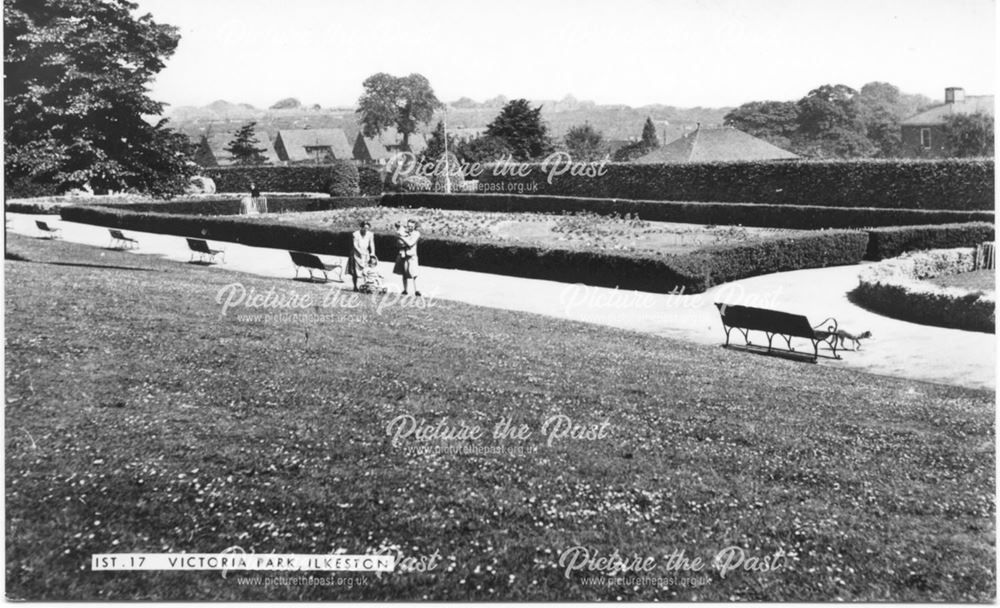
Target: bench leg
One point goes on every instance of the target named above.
(727, 330)
(770, 337)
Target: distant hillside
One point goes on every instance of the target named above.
(616, 122)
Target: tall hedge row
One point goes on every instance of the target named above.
(340, 178)
(765, 216)
(965, 184)
(693, 272)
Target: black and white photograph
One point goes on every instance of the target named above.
(500, 301)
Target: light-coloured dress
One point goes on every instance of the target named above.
(362, 248)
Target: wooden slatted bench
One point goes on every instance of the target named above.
(311, 262)
(48, 232)
(123, 242)
(200, 248)
(776, 323)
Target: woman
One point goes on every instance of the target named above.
(363, 249)
(406, 261)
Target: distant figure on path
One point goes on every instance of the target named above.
(362, 249)
(406, 261)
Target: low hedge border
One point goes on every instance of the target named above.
(895, 288)
(961, 184)
(233, 206)
(747, 214)
(891, 242)
(692, 273)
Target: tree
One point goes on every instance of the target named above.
(435, 144)
(400, 102)
(969, 135)
(243, 146)
(288, 103)
(831, 124)
(483, 149)
(649, 138)
(584, 143)
(522, 130)
(75, 93)
(773, 121)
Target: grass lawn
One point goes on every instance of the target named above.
(569, 231)
(140, 420)
(977, 280)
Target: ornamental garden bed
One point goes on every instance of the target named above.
(932, 288)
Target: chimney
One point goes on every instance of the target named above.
(954, 95)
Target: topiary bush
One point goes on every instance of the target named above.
(343, 179)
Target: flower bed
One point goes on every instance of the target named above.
(896, 288)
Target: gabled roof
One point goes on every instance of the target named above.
(386, 144)
(937, 115)
(706, 145)
(213, 146)
(295, 143)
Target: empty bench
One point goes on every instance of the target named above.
(205, 253)
(48, 232)
(311, 262)
(120, 241)
(775, 323)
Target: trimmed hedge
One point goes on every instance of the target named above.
(891, 242)
(233, 206)
(963, 184)
(338, 179)
(693, 273)
(895, 288)
(765, 216)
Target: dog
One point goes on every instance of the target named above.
(856, 339)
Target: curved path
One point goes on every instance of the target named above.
(898, 348)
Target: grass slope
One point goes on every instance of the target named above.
(138, 420)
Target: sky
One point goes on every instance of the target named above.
(685, 53)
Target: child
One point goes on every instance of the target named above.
(373, 280)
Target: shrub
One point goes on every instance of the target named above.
(23, 187)
(343, 180)
(817, 250)
(766, 216)
(895, 288)
(416, 183)
(294, 178)
(370, 180)
(890, 242)
(962, 184)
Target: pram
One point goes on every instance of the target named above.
(372, 278)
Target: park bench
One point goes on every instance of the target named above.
(311, 262)
(122, 241)
(201, 248)
(775, 323)
(46, 230)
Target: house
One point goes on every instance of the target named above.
(381, 148)
(715, 144)
(923, 135)
(312, 145)
(211, 150)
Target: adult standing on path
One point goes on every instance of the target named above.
(406, 261)
(362, 249)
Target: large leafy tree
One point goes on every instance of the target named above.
(400, 102)
(772, 121)
(584, 143)
(831, 124)
(75, 97)
(244, 148)
(521, 128)
(969, 135)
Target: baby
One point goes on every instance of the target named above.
(372, 278)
